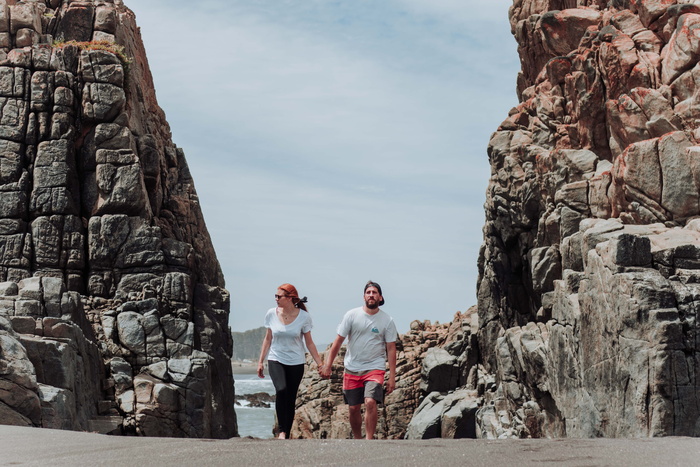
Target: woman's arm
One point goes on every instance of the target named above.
(312, 349)
(263, 352)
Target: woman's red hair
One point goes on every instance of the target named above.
(292, 292)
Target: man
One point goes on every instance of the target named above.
(371, 337)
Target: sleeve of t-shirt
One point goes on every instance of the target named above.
(308, 324)
(390, 333)
(268, 317)
(345, 325)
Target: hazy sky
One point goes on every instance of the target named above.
(336, 141)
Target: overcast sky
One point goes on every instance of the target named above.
(336, 141)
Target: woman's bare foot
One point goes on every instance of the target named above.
(282, 436)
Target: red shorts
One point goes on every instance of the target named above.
(357, 387)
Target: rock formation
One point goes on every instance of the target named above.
(113, 312)
(258, 400)
(589, 270)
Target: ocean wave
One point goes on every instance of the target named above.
(252, 386)
(245, 404)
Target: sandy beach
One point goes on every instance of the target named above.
(244, 367)
(38, 446)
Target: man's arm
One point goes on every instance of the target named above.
(332, 353)
(391, 357)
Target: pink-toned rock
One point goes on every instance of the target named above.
(638, 167)
(627, 123)
(683, 50)
(618, 58)
(627, 22)
(650, 10)
(563, 30)
(647, 41)
(661, 118)
(666, 24)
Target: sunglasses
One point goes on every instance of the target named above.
(277, 297)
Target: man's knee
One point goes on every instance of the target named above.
(355, 409)
(370, 403)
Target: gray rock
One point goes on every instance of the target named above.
(122, 374)
(440, 371)
(131, 332)
(8, 289)
(19, 394)
(126, 401)
(425, 423)
(626, 250)
(545, 268)
(58, 407)
(680, 193)
(459, 416)
(99, 66)
(158, 370)
(102, 101)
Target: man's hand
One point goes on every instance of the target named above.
(329, 358)
(390, 385)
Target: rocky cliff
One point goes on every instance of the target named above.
(113, 312)
(589, 270)
(589, 274)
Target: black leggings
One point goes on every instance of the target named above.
(286, 379)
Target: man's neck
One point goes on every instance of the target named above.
(370, 311)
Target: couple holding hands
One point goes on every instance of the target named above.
(371, 335)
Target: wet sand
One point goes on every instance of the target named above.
(36, 446)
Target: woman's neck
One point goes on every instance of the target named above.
(289, 309)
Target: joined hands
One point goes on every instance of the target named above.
(324, 371)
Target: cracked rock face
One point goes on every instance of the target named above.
(590, 269)
(113, 312)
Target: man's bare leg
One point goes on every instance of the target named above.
(370, 417)
(356, 420)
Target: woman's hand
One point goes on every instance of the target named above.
(261, 370)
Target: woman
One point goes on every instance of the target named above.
(286, 325)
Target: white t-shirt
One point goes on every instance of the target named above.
(287, 345)
(367, 337)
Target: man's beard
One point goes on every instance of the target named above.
(371, 306)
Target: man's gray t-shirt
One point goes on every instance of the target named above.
(367, 337)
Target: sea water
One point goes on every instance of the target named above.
(254, 421)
